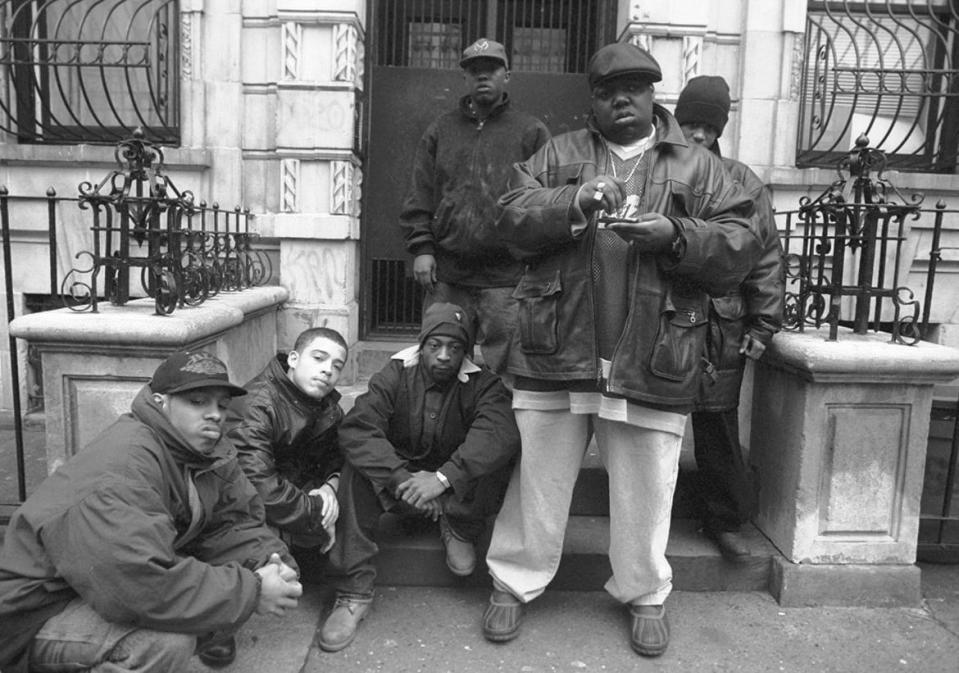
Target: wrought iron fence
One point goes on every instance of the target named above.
(888, 70)
(185, 251)
(89, 72)
(844, 253)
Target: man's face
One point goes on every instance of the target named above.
(197, 414)
(316, 369)
(486, 80)
(623, 108)
(700, 134)
(442, 356)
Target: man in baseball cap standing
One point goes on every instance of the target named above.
(146, 542)
(459, 171)
(624, 229)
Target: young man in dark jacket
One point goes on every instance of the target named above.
(741, 325)
(460, 169)
(432, 437)
(285, 430)
(624, 230)
(145, 540)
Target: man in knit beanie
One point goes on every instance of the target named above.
(433, 437)
(742, 324)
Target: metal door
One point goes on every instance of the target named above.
(414, 75)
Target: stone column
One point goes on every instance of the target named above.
(95, 363)
(839, 431)
(301, 163)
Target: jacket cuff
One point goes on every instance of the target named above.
(423, 249)
(397, 478)
(454, 474)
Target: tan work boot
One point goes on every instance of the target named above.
(649, 629)
(460, 553)
(339, 629)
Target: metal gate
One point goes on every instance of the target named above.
(415, 47)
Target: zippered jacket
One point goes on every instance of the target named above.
(287, 446)
(460, 169)
(660, 335)
(115, 526)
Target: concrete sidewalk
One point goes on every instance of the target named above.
(437, 629)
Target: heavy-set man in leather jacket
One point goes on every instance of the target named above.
(625, 231)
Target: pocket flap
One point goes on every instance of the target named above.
(730, 307)
(532, 287)
(687, 317)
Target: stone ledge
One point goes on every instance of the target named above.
(136, 322)
(874, 586)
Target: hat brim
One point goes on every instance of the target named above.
(234, 390)
(649, 75)
(499, 60)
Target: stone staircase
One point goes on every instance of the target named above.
(416, 558)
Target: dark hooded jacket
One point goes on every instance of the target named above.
(287, 446)
(755, 307)
(460, 169)
(660, 337)
(113, 526)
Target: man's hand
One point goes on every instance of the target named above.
(287, 573)
(420, 489)
(331, 508)
(653, 233)
(276, 593)
(603, 192)
(751, 348)
(424, 270)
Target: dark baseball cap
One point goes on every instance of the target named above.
(484, 48)
(187, 370)
(622, 58)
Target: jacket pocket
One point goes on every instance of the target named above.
(680, 341)
(538, 300)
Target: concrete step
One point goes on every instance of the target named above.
(417, 558)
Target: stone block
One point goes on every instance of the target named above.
(320, 273)
(259, 120)
(803, 585)
(838, 436)
(222, 44)
(294, 318)
(261, 191)
(224, 100)
(311, 119)
(759, 135)
(261, 54)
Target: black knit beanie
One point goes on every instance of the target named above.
(705, 100)
(447, 320)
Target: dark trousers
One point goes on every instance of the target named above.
(724, 486)
(352, 557)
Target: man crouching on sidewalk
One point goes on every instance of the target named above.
(145, 541)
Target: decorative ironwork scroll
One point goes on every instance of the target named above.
(185, 251)
(849, 262)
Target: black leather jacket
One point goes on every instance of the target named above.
(287, 446)
(662, 335)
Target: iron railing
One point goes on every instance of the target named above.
(888, 70)
(185, 251)
(89, 72)
(844, 253)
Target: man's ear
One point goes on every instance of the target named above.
(291, 359)
(160, 399)
(506, 77)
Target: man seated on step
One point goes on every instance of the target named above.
(433, 437)
(146, 540)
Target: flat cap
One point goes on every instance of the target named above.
(622, 58)
(484, 48)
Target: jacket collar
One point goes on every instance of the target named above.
(467, 109)
(410, 357)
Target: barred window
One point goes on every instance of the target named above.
(888, 71)
(89, 71)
